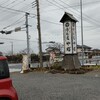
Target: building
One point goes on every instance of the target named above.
(96, 52)
(53, 49)
(86, 50)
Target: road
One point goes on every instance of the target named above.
(47, 86)
(17, 67)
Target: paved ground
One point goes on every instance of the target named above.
(46, 86)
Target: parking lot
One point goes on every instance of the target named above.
(47, 86)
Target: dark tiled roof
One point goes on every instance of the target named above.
(84, 46)
(96, 50)
(52, 48)
(68, 16)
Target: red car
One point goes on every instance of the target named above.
(7, 91)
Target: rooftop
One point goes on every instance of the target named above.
(68, 16)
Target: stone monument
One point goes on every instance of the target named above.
(70, 60)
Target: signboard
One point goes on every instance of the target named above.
(74, 37)
(70, 37)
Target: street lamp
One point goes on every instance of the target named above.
(81, 9)
(11, 48)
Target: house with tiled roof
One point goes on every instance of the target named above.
(87, 50)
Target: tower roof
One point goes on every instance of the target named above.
(68, 16)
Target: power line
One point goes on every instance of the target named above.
(20, 11)
(33, 4)
(60, 6)
(54, 4)
(13, 23)
(56, 23)
(50, 22)
(47, 21)
(8, 5)
(76, 10)
(88, 17)
(4, 2)
(11, 3)
(87, 3)
(14, 10)
(17, 22)
(94, 28)
(15, 39)
(18, 4)
(10, 16)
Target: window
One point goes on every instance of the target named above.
(4, 70)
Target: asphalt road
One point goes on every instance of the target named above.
(18, 66)
(47, 86)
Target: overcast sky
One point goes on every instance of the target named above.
(51, 12)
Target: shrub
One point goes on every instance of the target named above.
(57, 66)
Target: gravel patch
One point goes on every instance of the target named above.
(47, 86)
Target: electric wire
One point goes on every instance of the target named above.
(11, 3)
(10, 9)
(85, 16)
(15, 39)
(87, 3)
(57, 23)
(87, 20)
(14, 15)
(14, 5)
(51, 22)
(54, 4)
(16, 10)
(4, 2)
(14, 23)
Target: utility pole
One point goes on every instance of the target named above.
(81, 9)
(27, 33)
(12, 48)
(39, 33)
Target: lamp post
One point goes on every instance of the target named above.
(81, 9)
(12, 51)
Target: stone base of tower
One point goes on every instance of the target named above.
(71, 62)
